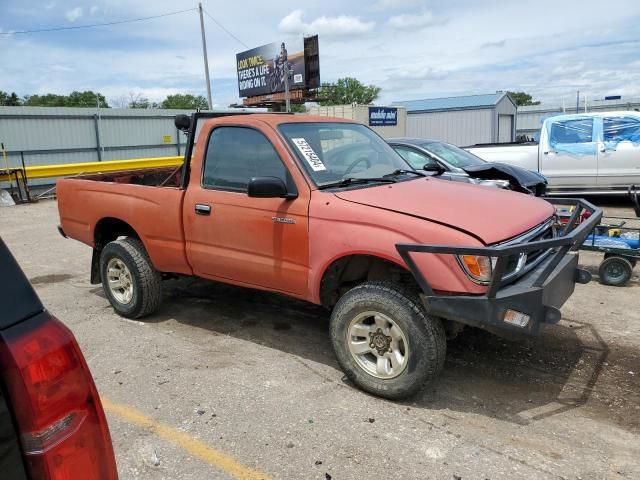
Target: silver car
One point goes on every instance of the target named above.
(453, 163)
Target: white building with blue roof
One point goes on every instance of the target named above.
(466, 120)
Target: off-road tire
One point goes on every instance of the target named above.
(146, 280)
(615, 271)
(424, 333)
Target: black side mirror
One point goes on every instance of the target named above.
(182, 122)
(436, 168)
(268, 187)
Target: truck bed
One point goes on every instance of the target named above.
(502, 144)
(523, 155)
(152, 177)
(148, 202)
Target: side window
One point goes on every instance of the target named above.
(579, 130)
(416, 159)
(235, 155)
(620, 129)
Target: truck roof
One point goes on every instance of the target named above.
(278, 119)
(569, 116)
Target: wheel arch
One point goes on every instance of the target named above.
(106, 230)
(348, 270)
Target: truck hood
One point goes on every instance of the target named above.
(489, 214)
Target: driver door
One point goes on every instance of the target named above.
(569, 157)
(259, 242)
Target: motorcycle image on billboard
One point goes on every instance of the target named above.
(262, 70)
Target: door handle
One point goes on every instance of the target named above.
(202, 209)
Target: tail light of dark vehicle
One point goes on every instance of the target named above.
(63, 430)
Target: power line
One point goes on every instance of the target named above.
(76, 27)
(227, 31)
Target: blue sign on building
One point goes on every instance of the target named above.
(383, 116)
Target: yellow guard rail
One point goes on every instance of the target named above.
(68, 169)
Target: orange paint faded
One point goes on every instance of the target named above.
(240, 243)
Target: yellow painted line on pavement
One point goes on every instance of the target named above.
(195, 447)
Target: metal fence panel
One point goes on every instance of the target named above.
(58, 135)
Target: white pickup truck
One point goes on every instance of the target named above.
(590, 153)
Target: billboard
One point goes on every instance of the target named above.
(262, 70)
(383, 116)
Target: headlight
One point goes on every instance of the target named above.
(478, 268)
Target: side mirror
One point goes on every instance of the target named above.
(182, 122)
(268, 187)
(436, 168)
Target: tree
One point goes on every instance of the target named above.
(347, 91)
(298, 108)
(137, 100)
(522, 99)
(185, 101)
(9, 99)
(74, 99)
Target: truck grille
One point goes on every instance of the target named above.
(518, 265)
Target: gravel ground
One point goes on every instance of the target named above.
(252, 375)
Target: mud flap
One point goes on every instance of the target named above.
(95, 267)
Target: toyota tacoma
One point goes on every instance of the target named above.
(266, 201)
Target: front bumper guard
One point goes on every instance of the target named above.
(539, 293)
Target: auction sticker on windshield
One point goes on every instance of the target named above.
(309, 155)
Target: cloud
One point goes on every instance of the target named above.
(132, 57)
(421, 73)
(94, 9)
(412, 21)
(74, 14)
(56, 67)
(340, 26)
(571, 70)
(498, 44)
(394, 4)
(50, 5)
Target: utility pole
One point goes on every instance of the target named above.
(578, 101)
(98, 123)
(204, 54)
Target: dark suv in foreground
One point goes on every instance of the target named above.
(52, 425)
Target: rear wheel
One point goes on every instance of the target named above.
(130, 282)
(385, 342)
(615, 271)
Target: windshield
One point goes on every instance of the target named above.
(455, 156)
(333, 152)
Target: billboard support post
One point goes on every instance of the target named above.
(287, 96)
(204, 54)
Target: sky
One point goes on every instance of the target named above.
(412, 49)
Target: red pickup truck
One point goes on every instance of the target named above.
(271, 201)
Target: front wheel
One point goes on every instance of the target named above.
(130, 281)
(384, 341)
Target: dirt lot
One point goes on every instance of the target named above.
(226, 382)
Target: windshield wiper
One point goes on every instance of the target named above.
(400, 170)
(345, 182)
